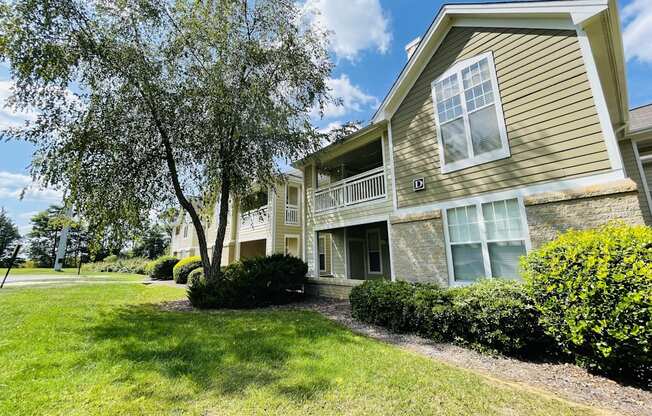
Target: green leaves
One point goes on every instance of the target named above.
(594, 291)
(145, 104)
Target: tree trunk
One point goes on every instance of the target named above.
(214, 270)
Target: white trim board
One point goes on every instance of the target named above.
(562, 185)
(641, 172)
(600, 102)
(351, 223)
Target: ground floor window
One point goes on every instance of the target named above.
(322, 253)
(292, 246)
(486, 239)
(374, 257)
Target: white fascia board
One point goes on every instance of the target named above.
(551, 13)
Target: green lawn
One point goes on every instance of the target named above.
(107, 349)
(69, 272)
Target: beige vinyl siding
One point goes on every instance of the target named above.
(632, 170)
(552, 124)
(279, 219)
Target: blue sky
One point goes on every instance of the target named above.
(368, 40)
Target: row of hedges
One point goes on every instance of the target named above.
(492, 315)
(250, 283)
(135, 265)
(587, 294)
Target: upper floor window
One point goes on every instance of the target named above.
(469, 116)
(185, 231)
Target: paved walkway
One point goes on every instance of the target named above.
(66, 279)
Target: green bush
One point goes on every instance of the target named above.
(136, 265)
(195, 276)
(251, 283)
(182, 269)
(111, 259)
(490, 315)
(162, 267)
(594, 291)
(496, 315)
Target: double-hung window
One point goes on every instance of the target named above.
(374, 256)
(468, 114)
(486, 240)
(321, 249)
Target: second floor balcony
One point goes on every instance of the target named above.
(350, 179)
(367, 186)
(254, 219)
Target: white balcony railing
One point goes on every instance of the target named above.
(255, 218)
(291, 214)
(357, 189)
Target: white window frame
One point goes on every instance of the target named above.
(380, 251)
(292, 236)
(323, 245)
(478, 201)
(185, 231)
(501, 153)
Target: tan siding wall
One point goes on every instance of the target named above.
(279, 219)
(631, 167)
(552, 124)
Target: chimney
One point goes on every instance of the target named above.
(412, 46)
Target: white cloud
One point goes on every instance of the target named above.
(8, 116)
(355, 25)
(353, 99)
(330, 127)
(637, 33)
(13, 185)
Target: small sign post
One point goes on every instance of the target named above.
(11, 263)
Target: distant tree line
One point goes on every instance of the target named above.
(42, 241)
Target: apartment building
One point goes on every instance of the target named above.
(266, 221)
(508, 124)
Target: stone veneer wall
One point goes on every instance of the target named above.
(331, 287)
(551, 213)
(418, 248)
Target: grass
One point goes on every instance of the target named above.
(107, 349)
(68, 272)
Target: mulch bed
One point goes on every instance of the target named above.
(562, 379)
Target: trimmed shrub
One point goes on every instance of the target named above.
(195, 276)
(492, 315)
(594, 291)
(251, 283)
(162, 267)
(496, 315)
(182, 269)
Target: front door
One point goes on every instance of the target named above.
(357, 255)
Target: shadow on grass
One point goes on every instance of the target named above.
(225, 352)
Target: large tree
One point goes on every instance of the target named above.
(172, 99)
(8, 235)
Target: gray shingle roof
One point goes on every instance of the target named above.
(640, 118)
